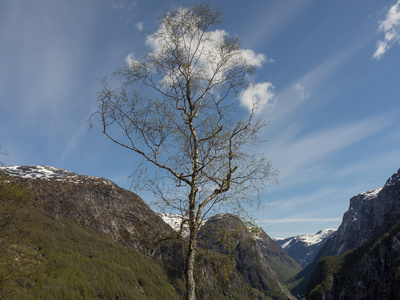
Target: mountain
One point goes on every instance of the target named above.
(93, 202)
(369, 214)
(371, 271)
(262, 262)
(360, 260)
(276, 258)
(304, 248)
(92, 239)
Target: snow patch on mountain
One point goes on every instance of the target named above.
(175, 221)
(307, 239)
(393, 180)
(316, 238)
(37, 172)
(49, 173)
(303, 248)
(371, 194)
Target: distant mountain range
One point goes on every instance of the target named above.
(304, 248)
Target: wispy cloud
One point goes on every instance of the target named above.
(380, 161)
(390, 26)
(301, 200)
(297, 220)
(299, 158)
(275, 19)
(45, 59)
(302, 91)
(140, 26)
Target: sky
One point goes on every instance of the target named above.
(329, 82)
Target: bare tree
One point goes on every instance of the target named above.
(177, 107)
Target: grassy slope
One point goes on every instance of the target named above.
(71, 262)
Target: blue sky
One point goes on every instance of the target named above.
(334, 116)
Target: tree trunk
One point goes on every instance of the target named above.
(189, 270)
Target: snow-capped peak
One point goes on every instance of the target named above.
(307, 239)
(49, 173)
(37, 172)
(315, 238)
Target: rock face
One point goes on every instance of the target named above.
(304, 248)
(362, 258)
(369, 214)
(94, 202)
(371, 271)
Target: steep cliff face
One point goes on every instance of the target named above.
(371, 271)
(361, 260)
(369, 214)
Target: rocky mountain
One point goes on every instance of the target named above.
(254, 270)
(361, 260)
(369, 214)
(263, 263)
(304, 248)
(94, 202)
(371, 271)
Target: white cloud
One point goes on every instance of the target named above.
(140, 26)
(130, 59)
(391, 27)
(257, 96)
(255, 59)
(208, 56)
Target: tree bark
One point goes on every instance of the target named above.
(189, 272)
(193, 228)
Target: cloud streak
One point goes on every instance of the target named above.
(299, 158)
(390, 26)
(298, 220)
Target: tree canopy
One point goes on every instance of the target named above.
(178, 108)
